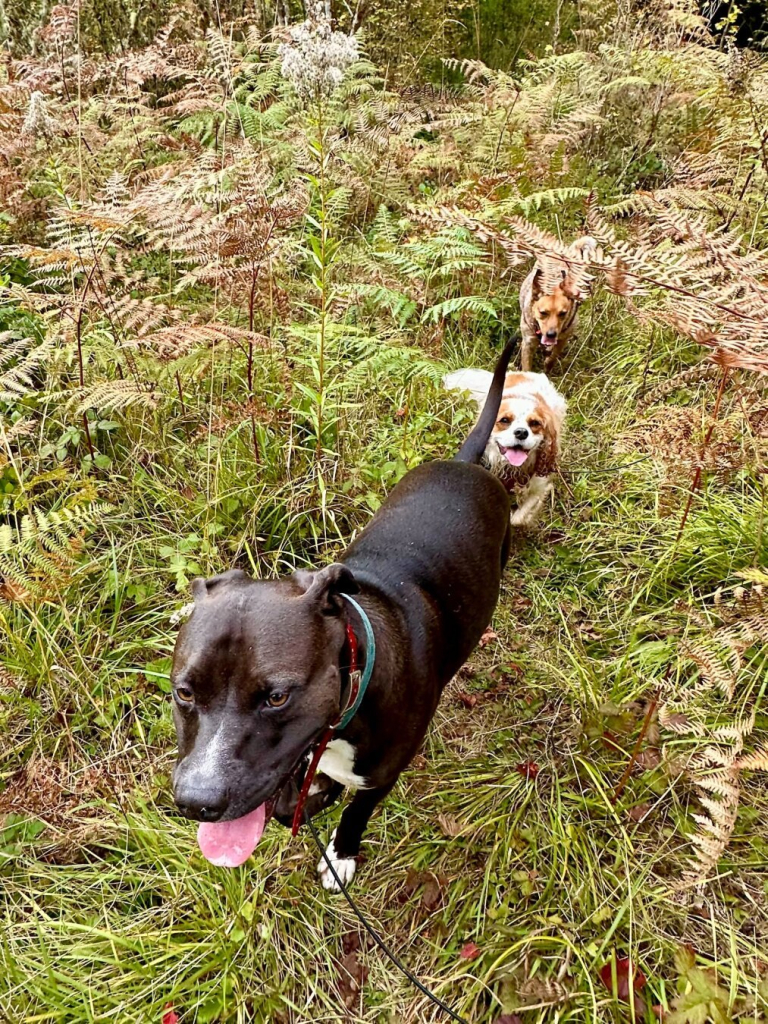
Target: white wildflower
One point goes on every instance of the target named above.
(316, 57)
(38, 121)
(181, 614)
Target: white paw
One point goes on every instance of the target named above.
(344, 867)
(524, 517)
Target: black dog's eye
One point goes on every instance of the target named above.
(184, 695)
(505, 420)
(277, 700)
(534, 424)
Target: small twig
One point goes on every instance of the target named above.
(653, 704)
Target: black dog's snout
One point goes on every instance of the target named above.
(521, 433)
(202, 804)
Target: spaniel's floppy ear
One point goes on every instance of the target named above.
(547, 457)
(543, 388)
(476, 382)
(552, 408)
(549, 451)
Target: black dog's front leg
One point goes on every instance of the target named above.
(345, 841)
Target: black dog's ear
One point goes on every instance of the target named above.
(201, 588)
(325, 586)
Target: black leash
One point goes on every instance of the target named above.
(375, 935)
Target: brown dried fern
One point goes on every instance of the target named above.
(714, 770)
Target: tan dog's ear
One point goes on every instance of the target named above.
(536, 285)
(569, 290)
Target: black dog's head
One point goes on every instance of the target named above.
(256, 680)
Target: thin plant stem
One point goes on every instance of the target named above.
(653, 704)
(696, 482)
(323, 282)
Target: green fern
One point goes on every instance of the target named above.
(460, 304)
(39, 554)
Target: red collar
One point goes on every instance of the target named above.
(354, 677)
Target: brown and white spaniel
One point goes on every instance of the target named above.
(524, 446)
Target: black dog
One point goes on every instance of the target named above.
(260, 669)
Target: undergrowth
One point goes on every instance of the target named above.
(226, 309)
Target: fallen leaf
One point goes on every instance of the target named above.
(488, 637)
(450, 825)
(467, 699)
(542, 990)
(528, 769)
(639, 812)
(469, 951)
(432, 895)
(352, 974)
(648, 758)
(402, 411)
(169, 1014)
(413, 880)
(509, 1018)
(624, 969)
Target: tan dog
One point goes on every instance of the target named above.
(549, 316)
(524, 445)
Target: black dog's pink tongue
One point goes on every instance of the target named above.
(228, 844)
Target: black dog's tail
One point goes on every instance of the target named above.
(473, 448)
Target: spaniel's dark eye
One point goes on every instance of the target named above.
(184, 695)
(505, 421)
(277, 700)
(534, 424)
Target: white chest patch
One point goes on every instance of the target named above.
(338, 763)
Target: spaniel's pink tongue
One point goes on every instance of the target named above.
(515, 456)
(228, 844)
